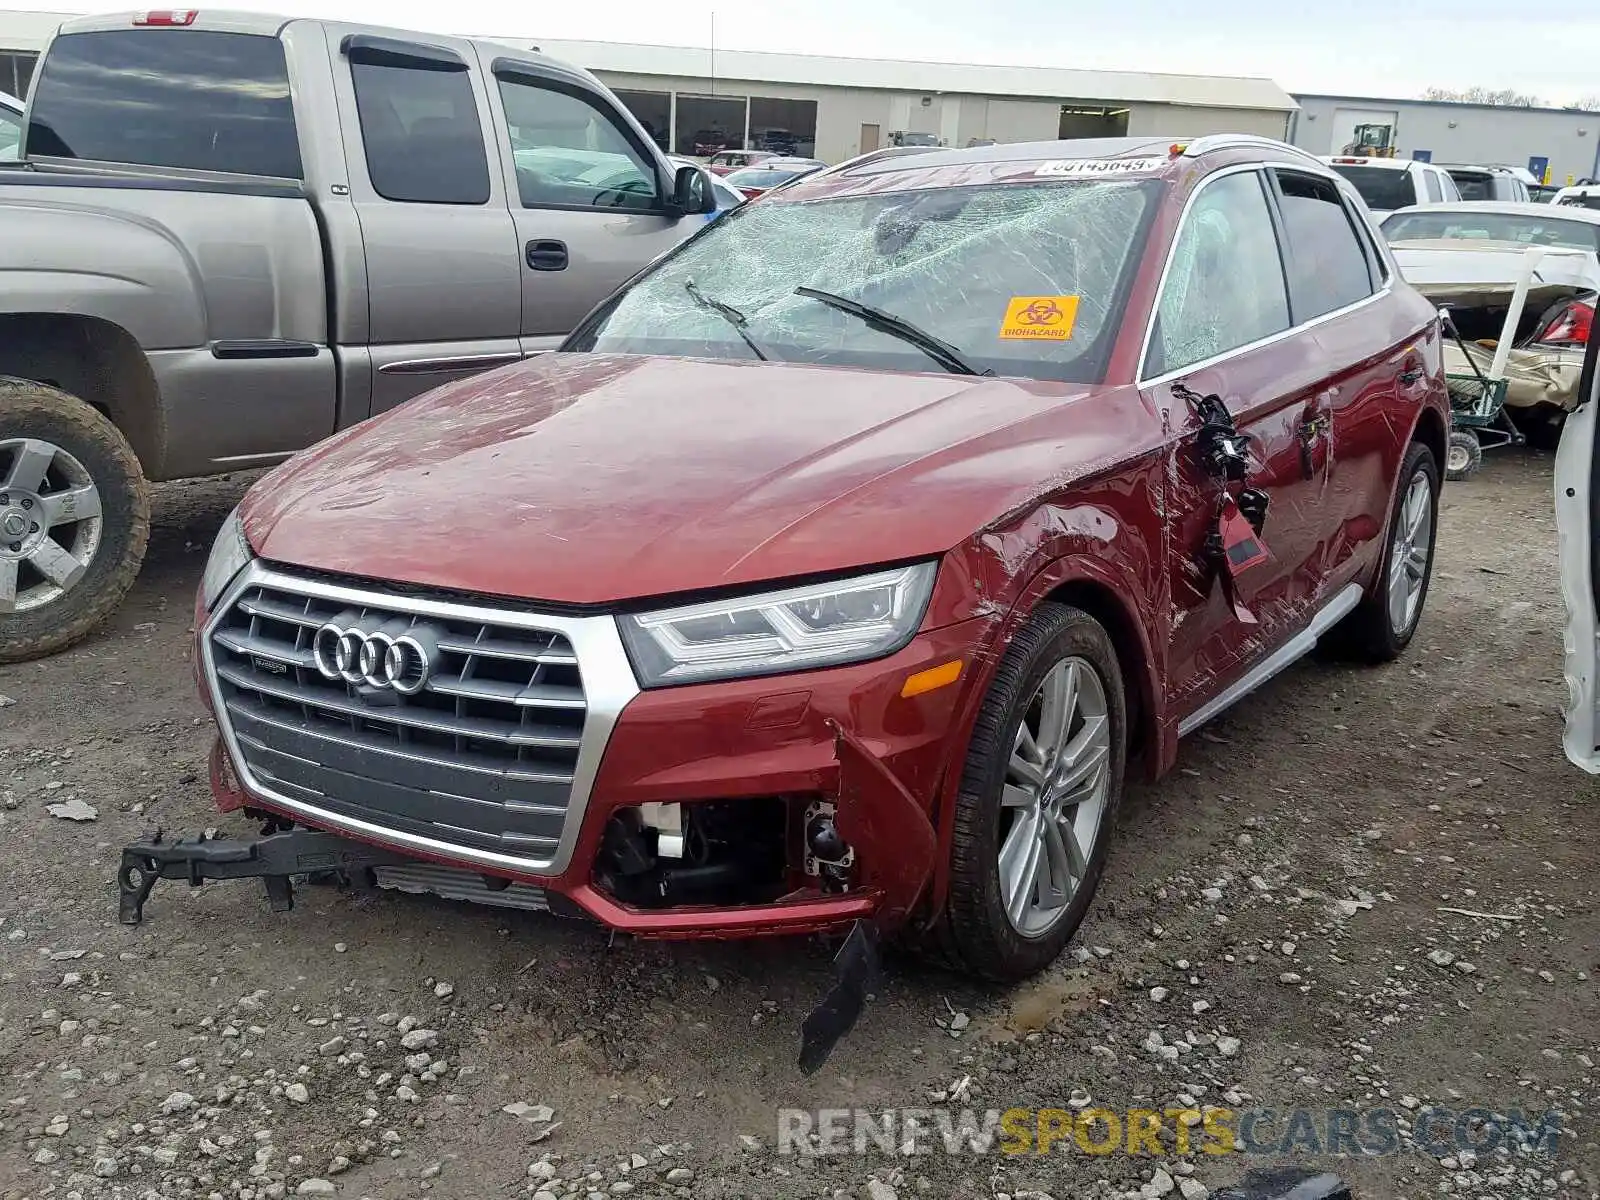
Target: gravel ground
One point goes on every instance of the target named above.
(1273, 931)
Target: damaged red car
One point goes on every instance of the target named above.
(845, 563)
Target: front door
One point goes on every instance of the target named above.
(441, 254)
(1223, 328)
(587, 197)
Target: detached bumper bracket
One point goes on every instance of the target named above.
(274, 858)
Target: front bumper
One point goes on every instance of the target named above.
(843, 737)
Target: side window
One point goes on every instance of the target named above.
(420, 128)
(1430, 181)
(570, 152)
(1328, 267)
(1225, 285)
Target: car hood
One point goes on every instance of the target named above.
(587, 479)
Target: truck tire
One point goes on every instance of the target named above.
(1064, 660)
(74, 519)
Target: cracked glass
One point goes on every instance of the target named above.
(955, 262)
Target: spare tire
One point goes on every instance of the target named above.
(74, 519)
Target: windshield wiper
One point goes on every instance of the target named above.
(942, 352)
(727, 312)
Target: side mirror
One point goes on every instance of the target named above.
(691, 192)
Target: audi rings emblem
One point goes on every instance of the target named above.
(399, 657)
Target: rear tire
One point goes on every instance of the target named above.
(74, 519)
(1463, 456)
(1382, 626)
(975, 933)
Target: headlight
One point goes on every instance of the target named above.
(818, 626)
(229, 555)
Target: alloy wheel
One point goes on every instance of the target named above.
(50, 523)
(1409, 553)
(1054, 796)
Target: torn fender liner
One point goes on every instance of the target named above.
(1286, 1183)
(894, 840)
(856, 970)
(272, 858)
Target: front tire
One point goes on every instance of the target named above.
(74, 519)
(1038, 795)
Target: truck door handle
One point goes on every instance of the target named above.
(547, 256)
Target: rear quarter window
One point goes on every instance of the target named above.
(194, 100)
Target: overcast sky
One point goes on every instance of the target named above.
(1357, 47)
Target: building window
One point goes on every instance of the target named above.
(783, 126)
(16, 72)
(653, 110)
(707, 124)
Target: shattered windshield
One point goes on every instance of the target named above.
(1010, 279)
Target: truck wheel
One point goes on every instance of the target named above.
(1040, 787)
(1462, 456)
(74, 519)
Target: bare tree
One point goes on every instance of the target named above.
(1505, 98)
(1584, 104)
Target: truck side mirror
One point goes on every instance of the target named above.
(691, 192)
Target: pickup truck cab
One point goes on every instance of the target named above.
(1390, 183)
(1490, 183)
(231, 235)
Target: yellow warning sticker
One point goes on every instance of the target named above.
(1039, 318)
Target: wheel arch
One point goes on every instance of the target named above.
(97, 361)
(1433, 432)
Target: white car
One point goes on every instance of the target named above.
(1390, 183)
(1583, 195)
(10, 128)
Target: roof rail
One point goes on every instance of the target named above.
(1244, 141)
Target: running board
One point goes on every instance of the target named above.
(1285, 655)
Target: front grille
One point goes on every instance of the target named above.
(483, 756)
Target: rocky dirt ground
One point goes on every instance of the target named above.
(1275, 929)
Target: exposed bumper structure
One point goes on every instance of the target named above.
(475, 771)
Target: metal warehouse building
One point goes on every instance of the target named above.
(1447, 132)
(831, 108)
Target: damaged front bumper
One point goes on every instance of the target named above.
(783, 805)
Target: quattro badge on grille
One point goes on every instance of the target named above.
(397, 655)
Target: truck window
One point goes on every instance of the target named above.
(571, 153)
(190, 99)
(1431, 181)
(421, 131)
(1383, 188)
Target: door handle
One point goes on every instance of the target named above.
(547, 255)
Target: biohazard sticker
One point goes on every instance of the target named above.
(1039, 318)
(1095, 168)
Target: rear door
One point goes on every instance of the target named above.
(589, 198)
(1223, 326)
(441, 249)
(1375, 374)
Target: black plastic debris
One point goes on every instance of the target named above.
(856, 970)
